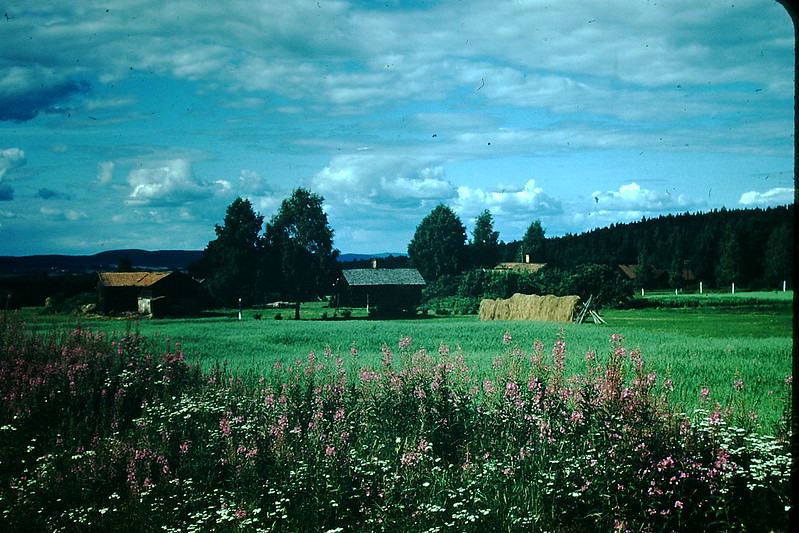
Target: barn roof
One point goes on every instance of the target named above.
(363, 277)
(523, 267)
(131, 279)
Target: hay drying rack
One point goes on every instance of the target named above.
(589, 311)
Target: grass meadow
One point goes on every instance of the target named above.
(664, 419)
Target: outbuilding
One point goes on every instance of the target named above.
(381, 290)
(148, 293)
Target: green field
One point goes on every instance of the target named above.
(696, 346)
(111, 431)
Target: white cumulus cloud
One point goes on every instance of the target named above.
(383, 179)
(105, 172)
(633, 197)
(775, 196)
(168, 183)
(508, 202)
(10, 158)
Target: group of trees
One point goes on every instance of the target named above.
(751, 247)
(439, 246)
(460, 273)
(292, 257)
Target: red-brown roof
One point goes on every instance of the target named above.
(131, 279)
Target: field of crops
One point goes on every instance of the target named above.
(747, 337)
(662, 420)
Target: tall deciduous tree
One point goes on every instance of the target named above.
(438, 245)
(232, 262)
(485, 241)
(533, 242)
(300, 246)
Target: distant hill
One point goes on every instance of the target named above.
(140, 260)
(349, 258)
(109, 260)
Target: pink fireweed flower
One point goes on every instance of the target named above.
(184, 447)
(388, 357)
(704, 395)
(330, 450)
(404, 343)
(340, 415)
(678, 504)
(511, 390)
(224, 426)
(410, 458)
(240, 514)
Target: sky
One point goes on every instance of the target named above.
(135, 123)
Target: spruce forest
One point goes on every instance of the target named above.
(751, 247)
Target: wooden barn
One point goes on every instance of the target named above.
(148, 293)
(380, 290)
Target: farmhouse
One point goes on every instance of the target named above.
(148, 293)
(385, 290)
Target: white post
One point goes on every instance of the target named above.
(784, 286)
(642, 291)
(239, 308)
(675, 292)
(733, 287)
(700, 287)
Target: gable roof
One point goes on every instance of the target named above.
(131, 279)
(362, 277)
(529, 267)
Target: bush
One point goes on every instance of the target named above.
(451, 293)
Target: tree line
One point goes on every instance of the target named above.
(292, 255)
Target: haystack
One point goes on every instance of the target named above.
(530, 307)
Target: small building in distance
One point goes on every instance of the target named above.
(148, 293)
(384, 291)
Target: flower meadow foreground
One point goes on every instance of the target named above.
(113, 432)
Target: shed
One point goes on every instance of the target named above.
(148, 293)
(386, 290)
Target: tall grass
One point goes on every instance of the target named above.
(117, 432)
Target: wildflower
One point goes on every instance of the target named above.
(507, 338)
(330, 451)
(410, 458)
(404, 343)
(738, 384)
(240, 514)
(224, 427)
(678, 504)
(704, 395)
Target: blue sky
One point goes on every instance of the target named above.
(135, 124)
